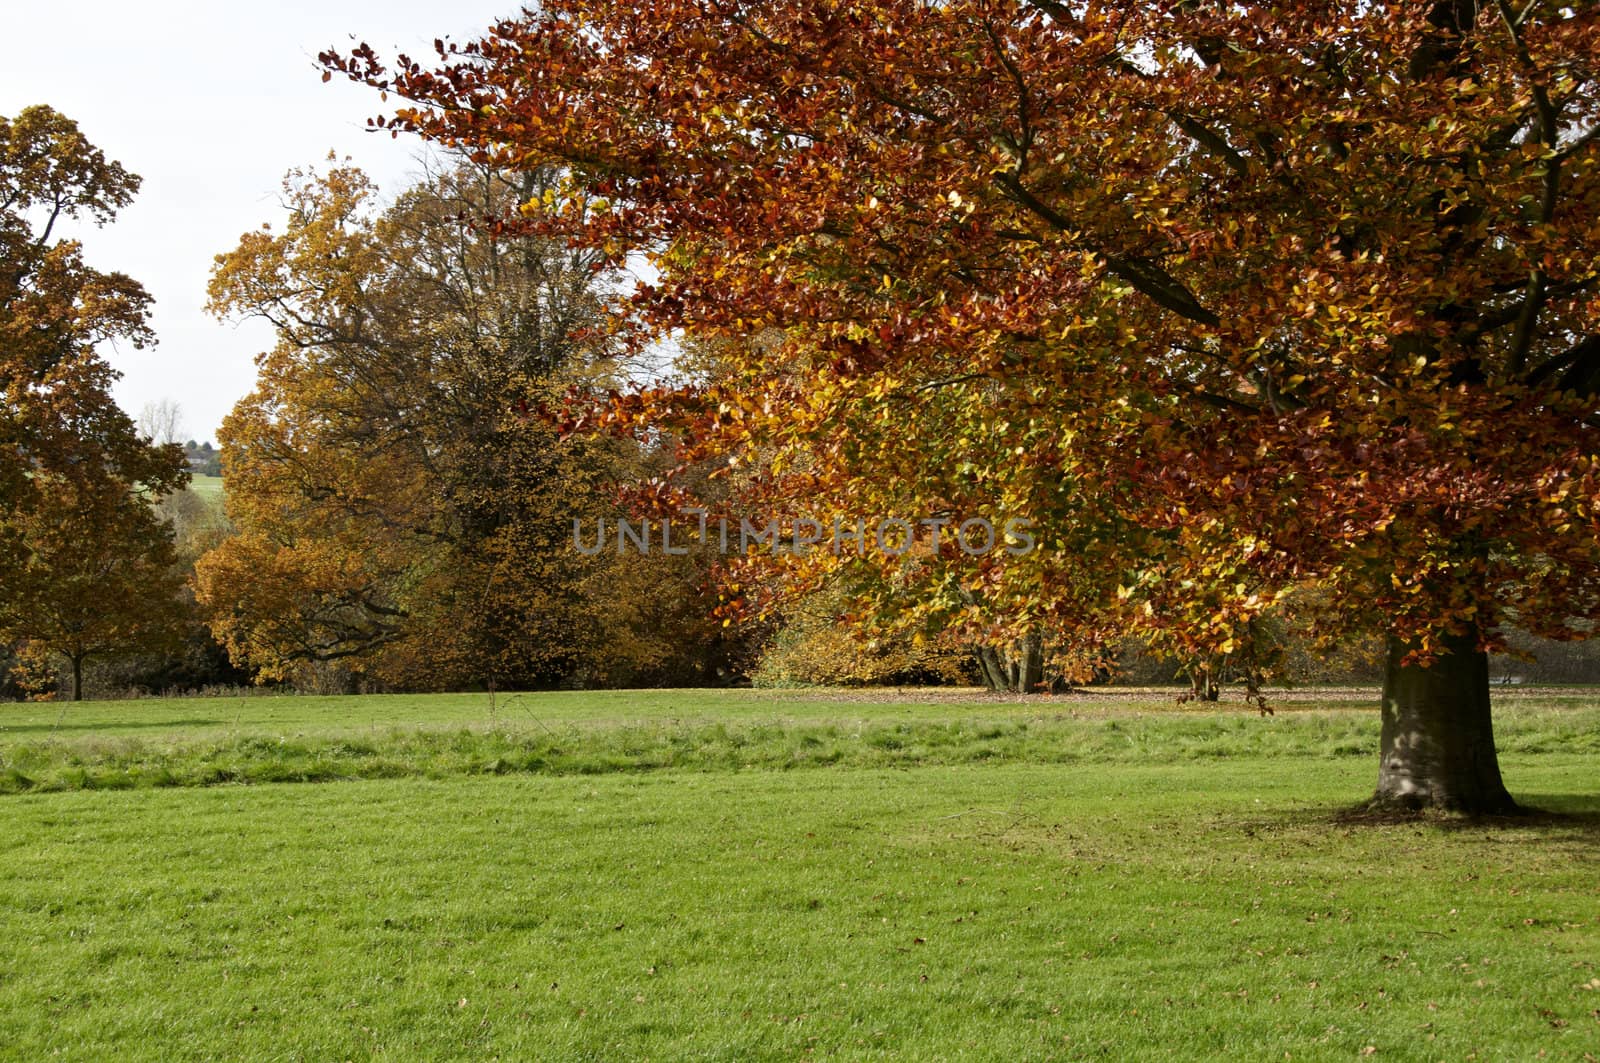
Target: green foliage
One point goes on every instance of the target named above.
(204, 460)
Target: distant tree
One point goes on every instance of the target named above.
(106, 575)
(84, 565)
(396, 509)
(161, 422)
(203, 458)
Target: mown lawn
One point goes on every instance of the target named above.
(265, 710)
(741, 877)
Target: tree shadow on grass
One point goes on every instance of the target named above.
(110, 730)
(1563, 817)
(1557, 821)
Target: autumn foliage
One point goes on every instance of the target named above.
(1236, 300)
(86, 567)
(399, 518)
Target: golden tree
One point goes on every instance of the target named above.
(396, 507)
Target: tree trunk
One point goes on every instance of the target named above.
(1203, 684)
(1437, 748)
(1017, 668)
(994, 673)
(77, 677)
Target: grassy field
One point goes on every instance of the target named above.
(741, 875)
(210, 486)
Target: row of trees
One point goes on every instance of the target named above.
(398, 519)
(394, 516)
(1267, 317)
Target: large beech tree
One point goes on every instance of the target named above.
(1291, 297)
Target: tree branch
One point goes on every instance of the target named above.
(1550, 134)
(1155, 283)
(1576, 362)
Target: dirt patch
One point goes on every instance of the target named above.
(1145, 698)
(1131, 697)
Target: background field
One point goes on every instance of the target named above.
(738, 875)
(209, 486)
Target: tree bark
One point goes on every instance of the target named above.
(77, 677)
(994, 673)
(1437, 748)
(1203, 684)
(1017, 668)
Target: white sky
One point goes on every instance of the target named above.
(210, 101)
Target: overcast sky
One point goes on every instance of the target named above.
(210, 103)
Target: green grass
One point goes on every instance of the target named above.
(201, 742)
(265, 710)
(268, 711)
(210, 486)
(738, 876)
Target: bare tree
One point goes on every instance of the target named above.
(161, 422)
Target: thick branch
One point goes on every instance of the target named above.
(1577, 363)
(1158, 285)
(1549, 134)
